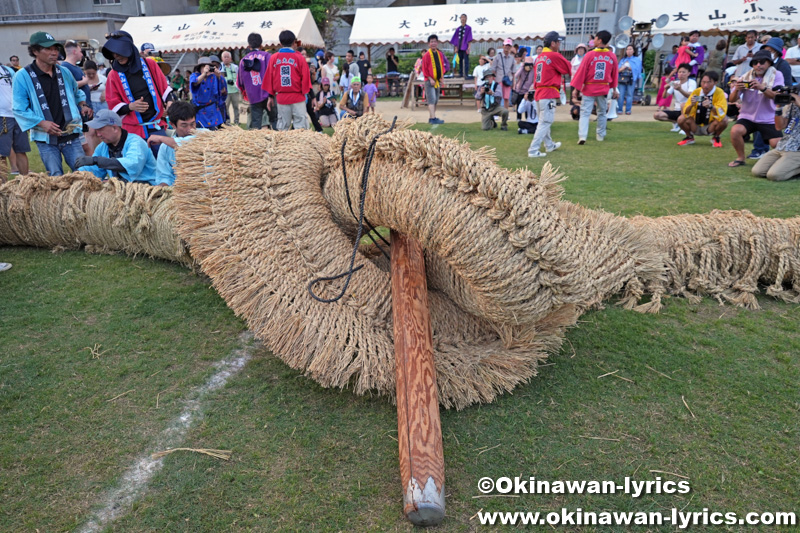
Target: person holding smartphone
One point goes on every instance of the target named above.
(743, 55)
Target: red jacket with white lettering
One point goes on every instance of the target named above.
(597, 73)
(287, 77)
(549, 67)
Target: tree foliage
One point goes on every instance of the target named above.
(319, 8)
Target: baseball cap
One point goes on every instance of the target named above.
(508, 42)
(552, 36)
(147, 46)
(355, 79)
(488, 72)
(104, 117)
(325, 81)
(581, 45)
(44, 39)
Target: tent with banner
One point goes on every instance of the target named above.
(217, 31)
(717, 17)
(490, 22)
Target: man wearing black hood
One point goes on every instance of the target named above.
(136, 89)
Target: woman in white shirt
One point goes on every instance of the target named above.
(477, 73)
(97, 85)
(330, 71)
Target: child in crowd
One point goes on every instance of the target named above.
(683, 55)
(371, 88)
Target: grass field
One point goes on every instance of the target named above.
(100, 355)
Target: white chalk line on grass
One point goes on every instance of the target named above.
(134, 481)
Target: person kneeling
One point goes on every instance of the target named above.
(183, 116)
(783, 162)
(121, 155)
(705, 112)
(352, 103)
(527, 114)
(491, 93)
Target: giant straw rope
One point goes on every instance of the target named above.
(510, 265)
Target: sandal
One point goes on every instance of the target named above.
(736, 163)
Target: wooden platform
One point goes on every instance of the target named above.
(453, 89)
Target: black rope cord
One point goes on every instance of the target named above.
(364, 180)
(350, 206)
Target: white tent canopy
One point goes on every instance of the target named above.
(715, 17)
(489, 22)
(216, 31)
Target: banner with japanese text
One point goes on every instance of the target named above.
(489, 22)
(217, 31)
(714, 17)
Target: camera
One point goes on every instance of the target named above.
(212, 68)
(784, 94)
(529, 95)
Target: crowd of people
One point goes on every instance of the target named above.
(94, 118)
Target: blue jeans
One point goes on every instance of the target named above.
(759, 146)
(625, 97)
(51, 155)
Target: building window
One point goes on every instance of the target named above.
(577, 6)
(574, 26)
(106, 2)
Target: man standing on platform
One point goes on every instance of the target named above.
(434, 65)
(549, 67)
(461, 39)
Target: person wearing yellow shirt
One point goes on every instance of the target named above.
(704, 112)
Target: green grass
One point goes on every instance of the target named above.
(307, 458)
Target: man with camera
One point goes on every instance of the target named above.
(208, 92)
(755, 89)
(230, 71)
(527, 115)
(596, 75)
(705, 112)
(491, 94)
(783, 162)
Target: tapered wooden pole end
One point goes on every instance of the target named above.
(424, 505)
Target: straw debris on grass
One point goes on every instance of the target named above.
(510, 264)
(219, 454)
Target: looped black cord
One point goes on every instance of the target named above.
(350, 206)
(364, 180)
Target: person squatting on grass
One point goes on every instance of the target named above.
(490, 105)
(549, 67)
(526, 112)
(182, 116)
(288, 78)
(783, 162)
(679, 89)
(757, 113)
(353, 100)
(705, 112)
(121, 155)
(48, 102)
(596, 74)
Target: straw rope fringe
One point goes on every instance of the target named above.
(510, 264)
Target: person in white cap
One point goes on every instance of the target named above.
(121, 155)
(504, 68)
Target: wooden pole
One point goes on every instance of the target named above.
(419, 428)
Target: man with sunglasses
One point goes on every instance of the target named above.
(757, 112)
